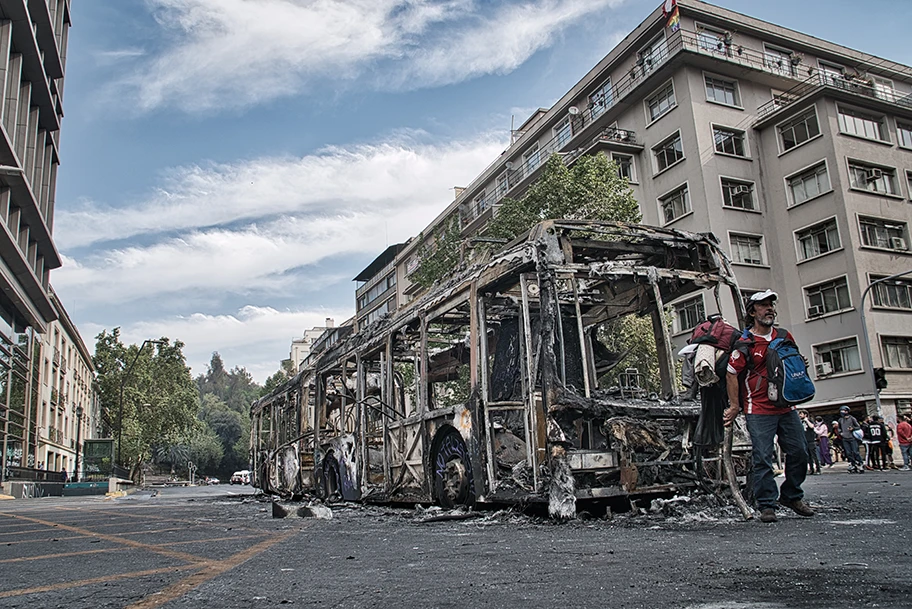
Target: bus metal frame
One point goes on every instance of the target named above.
(379, 415)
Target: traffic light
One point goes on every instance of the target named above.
(880, 378)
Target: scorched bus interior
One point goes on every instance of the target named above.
(491, 387)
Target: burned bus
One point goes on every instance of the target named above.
(489, 387)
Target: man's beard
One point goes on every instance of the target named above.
(766, 322)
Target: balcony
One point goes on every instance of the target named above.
(843, 86)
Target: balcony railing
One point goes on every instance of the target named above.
(682, 40)
(472, 210)
(846, 84)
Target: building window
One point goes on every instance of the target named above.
(828, 297)
(668, 152)
(722, 91)
(563, 131)
(503, 185)
(746, 249)
(780, 61)
(675, 204)
(904, 134)
(799, 129)
(689, 314)
(738, 195)
(626, 168)
(897, 351)
(660, 102)
(729, 141)
(713, 40)
(832, 74)
(893, 294)
(884, 234)
(862, 124)
(652, 56)
(841, 355)
(873, 179)
(808, 184)
(883, 88)
(601, 99)
(531, 159)
(818, 240)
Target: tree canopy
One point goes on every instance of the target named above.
(159, 396)
(592, 189)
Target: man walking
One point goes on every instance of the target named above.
(847, 427)
(764, 420)
(904, 437)
(810, 436)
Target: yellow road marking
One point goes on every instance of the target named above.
(61, 555)
(94, 580)
(114, 538)
(208, 572)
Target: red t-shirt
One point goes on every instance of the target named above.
(753, 390)
(904, 433)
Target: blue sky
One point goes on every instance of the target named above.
(229, 165)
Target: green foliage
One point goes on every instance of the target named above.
(206, 449)
(589, 190)
(160, 400)
(439, 256)
(634, 335)
(230, 428)
(236, 388)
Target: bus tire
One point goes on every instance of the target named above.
(452, 471)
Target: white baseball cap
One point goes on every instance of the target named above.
(761, 296)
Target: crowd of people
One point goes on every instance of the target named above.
(867, 444)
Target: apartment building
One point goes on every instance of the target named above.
(33, 42)
(794, 151)
(68, 410)
(302, 347)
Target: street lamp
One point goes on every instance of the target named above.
(867, 341)
(123, 384)
(79, 412)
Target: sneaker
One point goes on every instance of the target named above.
(799, 506)
(768, 515)
(904, 468)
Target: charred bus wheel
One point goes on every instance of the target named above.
(453, 485)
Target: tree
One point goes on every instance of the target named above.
(440, 256)
(286, 371)
(591, 189)
(160, 400)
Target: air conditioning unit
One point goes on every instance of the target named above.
(824, 369)
(873, 174)
(815, 311)
(898, 243)
(741, 190)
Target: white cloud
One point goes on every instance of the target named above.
(237, 53)
(378, 178)
(257, 338)
(244, 228)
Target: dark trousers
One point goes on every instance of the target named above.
(763, 428)
(813, 459)
(850, 446)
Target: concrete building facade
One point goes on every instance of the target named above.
(33, 42)
(68, 411)
(794, 151)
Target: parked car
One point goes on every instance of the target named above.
(211, 480)
(240, 477)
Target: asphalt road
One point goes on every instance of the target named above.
(221, 547)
